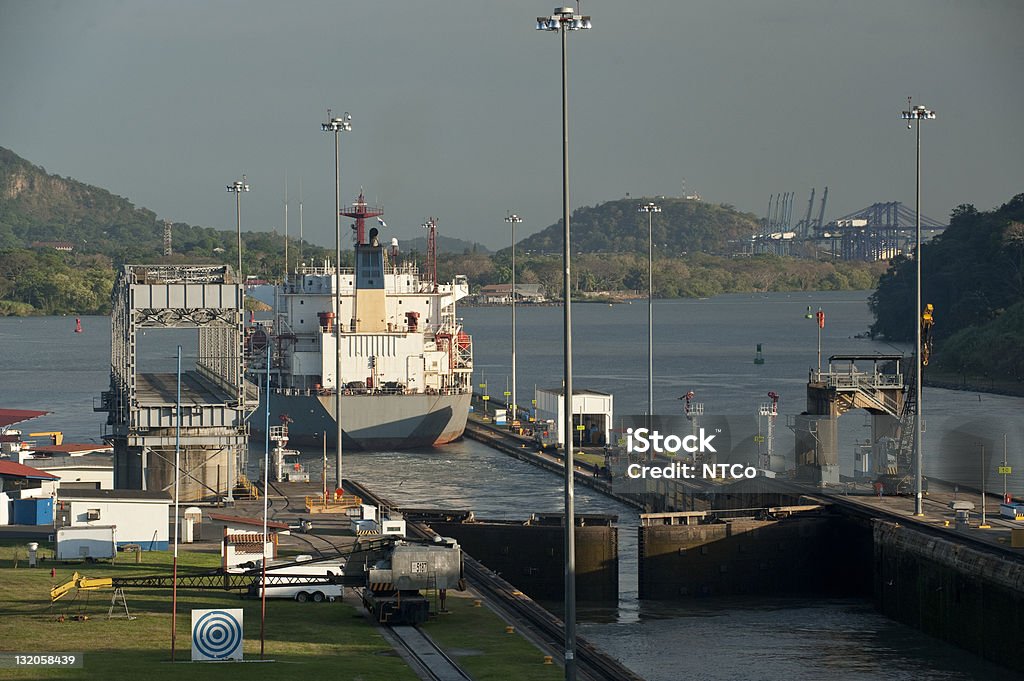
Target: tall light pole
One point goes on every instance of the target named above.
(918, 113)
(650, 208)
(337, 125)
(237, 187)
(563, 20)
(513, 220)
(984, 520)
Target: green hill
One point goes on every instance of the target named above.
(617, 227)
(96, 231)
(445, 244)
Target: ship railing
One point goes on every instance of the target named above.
(384, 390)
(296, 392)
(324, 271)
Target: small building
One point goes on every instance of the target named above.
(243, 540)
(90, 471)
(140, 516)
(501, 294)
(591, 409)
(19, 484)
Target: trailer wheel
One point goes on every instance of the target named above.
(302, 597)
(318, 596)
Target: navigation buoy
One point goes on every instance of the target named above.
(78, 325)
(759, 357)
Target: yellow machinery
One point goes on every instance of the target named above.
(78, 581)
(55, 436)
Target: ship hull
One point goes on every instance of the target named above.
(370, 422)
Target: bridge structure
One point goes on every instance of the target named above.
(874, 383)
(143, 408)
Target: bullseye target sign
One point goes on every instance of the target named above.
(216, 635)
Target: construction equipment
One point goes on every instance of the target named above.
(391, 572)
(927, 322)
(56, 436)
(545, 434)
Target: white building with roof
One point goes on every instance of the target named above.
(140, 516)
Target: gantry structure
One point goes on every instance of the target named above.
(143, 408)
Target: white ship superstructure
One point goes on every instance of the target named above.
(406, 363)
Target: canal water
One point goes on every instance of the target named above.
(707, 346)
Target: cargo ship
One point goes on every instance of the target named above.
(406, 362)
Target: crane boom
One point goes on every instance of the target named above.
(821, 213)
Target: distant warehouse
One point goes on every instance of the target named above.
(501, 294)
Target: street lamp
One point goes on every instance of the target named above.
(820, 323)
(650, 208)
(237, 187)
(984, 520)
(563, 20)
(918, 113)
(513, 220)
(337, 125)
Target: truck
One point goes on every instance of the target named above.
(87, 542)
(545, 434)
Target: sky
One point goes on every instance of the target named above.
(456, 105)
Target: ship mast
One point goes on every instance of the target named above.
(431, 226)
(360, 212)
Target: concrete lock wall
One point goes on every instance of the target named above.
(205, 472)
(971, 598)
(804, 554)
(531, 556)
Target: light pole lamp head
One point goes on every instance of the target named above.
(341, 123)
(513, 219)
(918, 112)
(564, 18)
(238, 186)
(649, 207)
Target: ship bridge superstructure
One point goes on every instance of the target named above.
(405, 339)
(143, 407)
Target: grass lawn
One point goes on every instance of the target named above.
(475, 638)
(306, 640)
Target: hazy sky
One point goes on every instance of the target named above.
(457, 113)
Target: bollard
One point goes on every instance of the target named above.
(548, 660)
(477, 603)
(510, 629)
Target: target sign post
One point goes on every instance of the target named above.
(216, 635)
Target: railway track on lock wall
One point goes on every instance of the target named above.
(510, 603)
(428, 656)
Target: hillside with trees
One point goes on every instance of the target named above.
(697, 249)
(973, 273)
(616, 227)
(39, 211)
